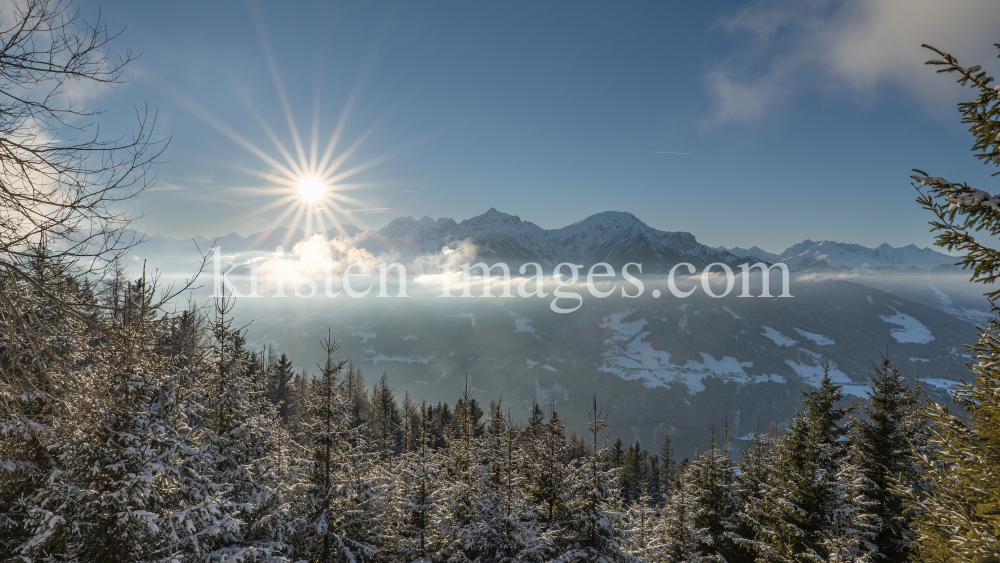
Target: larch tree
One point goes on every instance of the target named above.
(386, 422)
(668, 467)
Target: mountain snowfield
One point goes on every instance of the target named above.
(661, 365)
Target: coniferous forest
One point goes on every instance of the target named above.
(131, 432)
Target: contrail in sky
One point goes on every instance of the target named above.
(666, 152)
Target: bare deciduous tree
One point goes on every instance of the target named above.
(62, 184)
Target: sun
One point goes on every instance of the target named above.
(312, 181)
(311, 189)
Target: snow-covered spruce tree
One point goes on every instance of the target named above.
(958, 519)
(616, 454)
(126, 486)
(881, 442)
(794, 511)
(39, 369)
(755, 466)
(525, 538)
(459, 498)
(300, 390)
(186, 339)
(595, 527)
(280, 390)
(855, 521)
(643, 542)
(358, 406)
(536, 422)
(668, 468)
(418, 499)
(678, 541)
(548, 472)
(411, 423)
(440, 425)
(712, 485)
(632, 475)
(487, 513)
(62, 192)
(577, 446)
(243, 435)
(343, 504)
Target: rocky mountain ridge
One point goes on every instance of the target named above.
(611, 236)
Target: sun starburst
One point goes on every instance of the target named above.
(309, 182)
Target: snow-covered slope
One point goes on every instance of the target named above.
(686, 363)
(841, 255)
(838, 255)
(618, 237)
(506, 237)
(752, 253)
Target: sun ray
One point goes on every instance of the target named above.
(276, 75)
(284, 214)
(285, 240)
(341, 186)
(295, 166)
(287, 200)
(307, 229)
(363, 166)
(314, 133)
(217, 124)
(340, 197)
(328, 169)
(257, 211)
(366, 66)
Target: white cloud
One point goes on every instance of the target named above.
(788, 47)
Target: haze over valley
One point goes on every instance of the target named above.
(661, 364)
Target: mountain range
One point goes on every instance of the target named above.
(839, 255)
(611, 236)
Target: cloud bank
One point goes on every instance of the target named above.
(785, 48)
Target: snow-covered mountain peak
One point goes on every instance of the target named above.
(412, 229)
(608, 223)
(497, 222)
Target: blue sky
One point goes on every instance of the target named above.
(802, 118)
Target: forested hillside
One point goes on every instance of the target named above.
(134, 435)
(130, 434)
